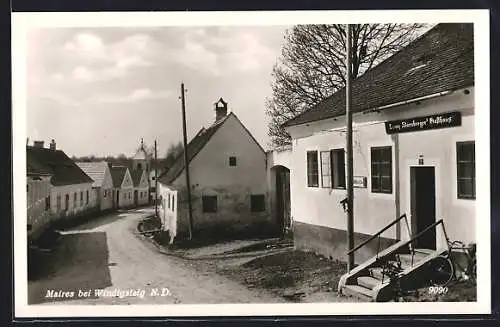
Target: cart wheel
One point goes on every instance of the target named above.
(441, 271)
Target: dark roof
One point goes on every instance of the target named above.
(118, 173)
(136, 176)
(448, 53)
(56, 163)
(193, 147)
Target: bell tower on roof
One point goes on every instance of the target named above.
(141, 159)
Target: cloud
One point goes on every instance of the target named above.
(83, 74)
(59, 98)
(136, 95)
(89, 44)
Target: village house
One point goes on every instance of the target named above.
(38, 189)
(123, 187)
(103, 182)
(141, 187)
(413, 148)
(228, 175)
(71, 189)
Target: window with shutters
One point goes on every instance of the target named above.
(257, 203)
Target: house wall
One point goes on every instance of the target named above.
(39, 215)
(142, 190)
(168, 207)
(210, 174)
(106, 191)
(75, 208)
(319, 220)
(126, 192)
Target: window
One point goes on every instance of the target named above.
(337, 157)
(209, 203)
(312, 168)
(66, 202)
(232, 161)
(257, 203)
(87, 195)
(168, 200)
(173, 202)
(74, 199)
(47, 203)
(153, 189)
(58, 203)
(326, 172)
(381, 169)
(466, 170)
(81, 198)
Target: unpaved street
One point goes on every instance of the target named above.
(106, 254)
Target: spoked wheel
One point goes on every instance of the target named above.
(441, 271)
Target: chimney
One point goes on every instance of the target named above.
(53, 145)
(220, 109)
(38, 144)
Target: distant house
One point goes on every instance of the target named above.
(103, 182)
(71, 191)
(141, 187)
(413, 153)
(38, 190)
(227, 169)
(123, 187)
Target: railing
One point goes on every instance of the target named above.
(377, 235)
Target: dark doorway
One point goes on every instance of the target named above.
(423, 205)
(283, 197)
(136, 198)
(117, 198)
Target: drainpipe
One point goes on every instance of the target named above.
(397, 192)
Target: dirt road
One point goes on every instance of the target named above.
(107, 256)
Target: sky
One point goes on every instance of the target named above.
(98, 91)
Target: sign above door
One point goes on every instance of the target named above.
(449, 119)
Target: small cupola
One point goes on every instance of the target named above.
(220, 109)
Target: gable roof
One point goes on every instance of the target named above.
(56, 163)
(118, 174)
(95, 170)
(193, 147)
(440, 60)
(136, 176)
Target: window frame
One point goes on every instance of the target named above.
(312, 175)
(253, 204)
(379, 174)
(205, 208)
(233, 161)
(460, 195)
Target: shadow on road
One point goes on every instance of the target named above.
(79, 263)
(97, 222)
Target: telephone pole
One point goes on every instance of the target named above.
(156, 181)
(350, 180)
(186, 162)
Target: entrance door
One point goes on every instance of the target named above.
(283, 197)
(117, 198)
(423, 205)
(136, 198)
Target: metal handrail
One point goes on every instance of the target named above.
(378, 233)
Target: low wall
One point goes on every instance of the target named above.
(331, 242)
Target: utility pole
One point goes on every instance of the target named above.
(350, 179)
(156, 181)
(186, 162)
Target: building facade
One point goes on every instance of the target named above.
(71, 191)
(141, 187)
(123, 187)
(103, 183)
(38, 204)
(228, 177)
(413, 154)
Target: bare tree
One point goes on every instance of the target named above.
(312, 65)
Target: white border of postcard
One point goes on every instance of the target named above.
(22, 22)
